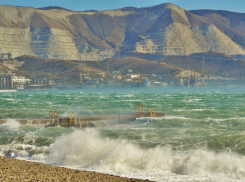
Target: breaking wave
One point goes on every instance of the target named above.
(88, 150)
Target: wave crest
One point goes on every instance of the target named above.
(88, 150)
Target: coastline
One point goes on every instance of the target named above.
(19, 170)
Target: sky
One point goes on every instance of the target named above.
(82, 5)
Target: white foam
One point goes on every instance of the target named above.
(132, 100)
(129, 95)
(88, 150)
(179, 110)
(120, 96)
(192, 100)
(12, 124)
(144, 119)
(226, 119)
(175, 117)
(22, 154)
(202, 109)
(27, 147)
(25, 152)
(39, 157)
(10, 99)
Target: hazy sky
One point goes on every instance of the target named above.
(81, 5)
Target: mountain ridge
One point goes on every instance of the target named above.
(165, 29)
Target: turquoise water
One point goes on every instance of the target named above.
(200, 138)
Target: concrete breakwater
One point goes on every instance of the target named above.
(87, 121)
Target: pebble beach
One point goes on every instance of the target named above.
(19, 170)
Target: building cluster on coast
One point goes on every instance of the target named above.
(117, 79)
(10, 81)
(185, 78)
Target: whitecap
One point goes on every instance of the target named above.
(175, 117)
(12, 124)
(88, 150)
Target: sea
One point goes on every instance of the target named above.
(201, 138)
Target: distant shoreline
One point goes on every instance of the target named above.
(20, 170)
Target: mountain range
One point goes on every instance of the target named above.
(150, 32)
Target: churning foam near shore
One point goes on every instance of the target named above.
(86, 149)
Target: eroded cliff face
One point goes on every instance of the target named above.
(44, 33)
(165, 29)
(179, 39)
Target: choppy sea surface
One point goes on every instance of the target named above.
(200, 138)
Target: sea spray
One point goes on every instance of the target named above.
(86, 149)
(12, 124)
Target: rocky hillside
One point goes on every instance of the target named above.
(164, 29)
